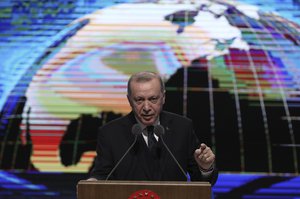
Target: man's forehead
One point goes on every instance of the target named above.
(143, 81)
(145, 84)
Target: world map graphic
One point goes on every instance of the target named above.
(230, 67)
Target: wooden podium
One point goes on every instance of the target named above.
(142, 189)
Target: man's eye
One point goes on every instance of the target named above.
(139, 100)
(154, 99)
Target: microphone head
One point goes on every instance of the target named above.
(136, 129)
(159, 130)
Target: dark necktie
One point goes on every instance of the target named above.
(151, 139)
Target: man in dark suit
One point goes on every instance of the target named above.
(149, 158)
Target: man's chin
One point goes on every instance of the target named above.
(148, 122)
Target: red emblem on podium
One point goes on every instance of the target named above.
(144, 194)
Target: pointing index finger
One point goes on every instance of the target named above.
(202, 146)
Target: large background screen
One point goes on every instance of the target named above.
(231, 66)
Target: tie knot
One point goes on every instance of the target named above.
(150, 129)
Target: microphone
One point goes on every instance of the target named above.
(160, 131)
(135, 130)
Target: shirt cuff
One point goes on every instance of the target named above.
(207, 172)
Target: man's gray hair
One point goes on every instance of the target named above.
(145, 77)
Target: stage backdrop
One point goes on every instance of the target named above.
(233, 67)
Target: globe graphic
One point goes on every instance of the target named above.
(230, 67)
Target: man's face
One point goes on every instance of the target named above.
(146, 100)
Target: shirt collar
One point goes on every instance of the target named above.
(143, 127)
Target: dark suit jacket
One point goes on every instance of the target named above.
(115, 138)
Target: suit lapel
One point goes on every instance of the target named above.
(165, 122)
(140, 148)
(127, 124)
(142, 156)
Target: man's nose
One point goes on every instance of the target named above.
(146, 106)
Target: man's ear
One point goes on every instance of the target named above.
(164, 96)
(128, 98)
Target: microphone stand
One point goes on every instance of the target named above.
(160, 131)
(115, 167)
(183, 172)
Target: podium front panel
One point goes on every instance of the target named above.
(138, 189)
